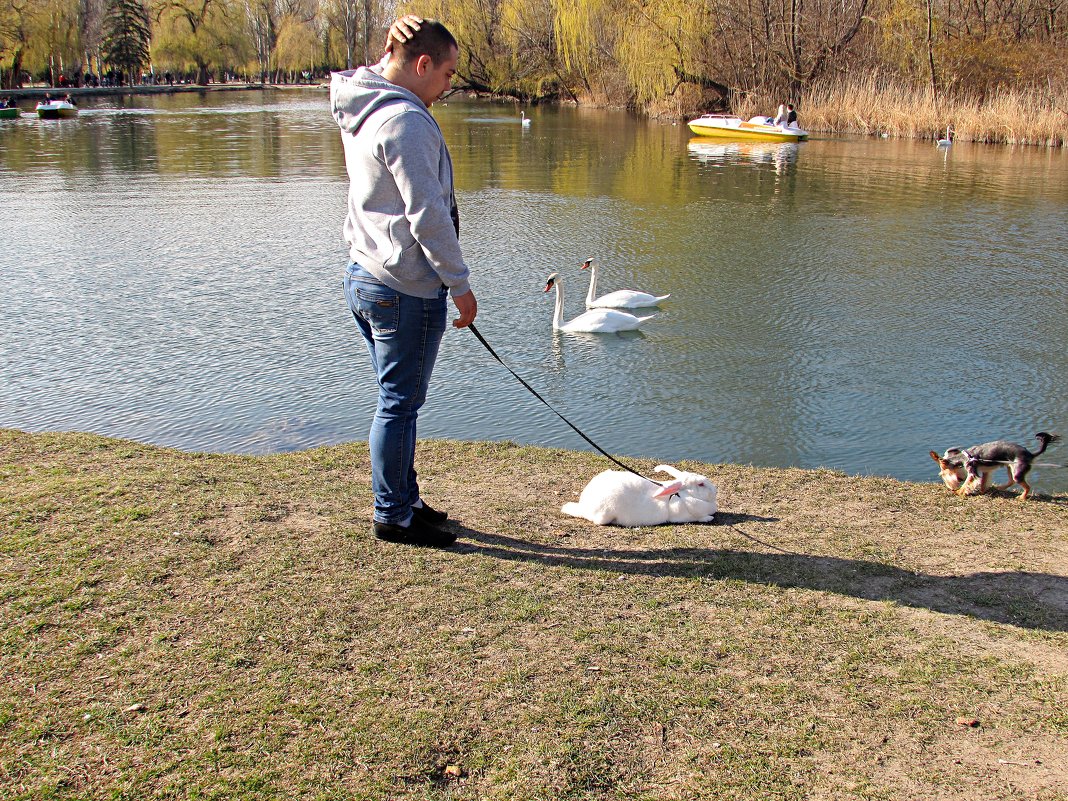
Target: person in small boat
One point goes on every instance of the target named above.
(5, 102)
(791, 115)
(47, 98)
(780, 115)
(69, 99)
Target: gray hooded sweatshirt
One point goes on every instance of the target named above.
(400, 226)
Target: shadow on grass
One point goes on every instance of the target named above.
(1029, 600)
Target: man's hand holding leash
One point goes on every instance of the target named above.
(468, 308)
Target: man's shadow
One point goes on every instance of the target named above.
(1029, 600)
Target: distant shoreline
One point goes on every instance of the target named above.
(33, 92)
(864, 108)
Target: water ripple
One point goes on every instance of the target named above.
(842, 303)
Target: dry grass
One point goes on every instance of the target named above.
(874, 106)
(202, 626)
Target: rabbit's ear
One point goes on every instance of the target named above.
(668, 490)
(666, 468)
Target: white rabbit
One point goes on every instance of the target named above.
(625, 499)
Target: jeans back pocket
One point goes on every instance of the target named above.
(379, 306)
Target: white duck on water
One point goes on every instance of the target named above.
(621, 298)
(595, 321)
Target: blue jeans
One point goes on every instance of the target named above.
(403, 334)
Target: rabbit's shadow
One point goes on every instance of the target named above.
(1029, 600)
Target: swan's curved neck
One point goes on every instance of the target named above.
(558, 315)
(592, 294)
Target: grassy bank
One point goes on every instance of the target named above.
(209, 626)
(874, 107)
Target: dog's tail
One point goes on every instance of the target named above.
(1044, 440)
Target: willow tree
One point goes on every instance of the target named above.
(672, 45)
(586, 35)
(127, 36)
(52, 41)
(485, 62)
(14, 36)
(200, 35)
(527, 34)
(297, 45)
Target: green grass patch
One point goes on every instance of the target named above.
(196, 626)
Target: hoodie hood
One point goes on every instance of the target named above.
(356, 94)
(402, 224)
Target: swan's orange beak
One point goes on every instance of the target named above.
(586, 264)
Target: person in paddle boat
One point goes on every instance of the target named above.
(403, 231)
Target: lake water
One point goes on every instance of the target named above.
(172, 273)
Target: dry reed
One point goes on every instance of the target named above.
(876, 106)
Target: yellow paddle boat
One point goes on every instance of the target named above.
(724, 126)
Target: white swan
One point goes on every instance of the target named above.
(597, 321)
(621, 298)
(523, 118)
(949, 137)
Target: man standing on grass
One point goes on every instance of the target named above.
(403, 234)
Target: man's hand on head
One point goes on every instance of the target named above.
(402, 30)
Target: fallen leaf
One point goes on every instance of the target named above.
(965, 720)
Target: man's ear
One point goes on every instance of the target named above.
(422, 64)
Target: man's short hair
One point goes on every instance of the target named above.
(432, 39)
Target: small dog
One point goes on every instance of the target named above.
(966, 471)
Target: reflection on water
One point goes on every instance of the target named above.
(173, 270)
(780, 155)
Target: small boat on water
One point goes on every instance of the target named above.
(725, 126)
(56, 109)
(9, 113)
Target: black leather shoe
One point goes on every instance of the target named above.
(428, 515)
(416, 533)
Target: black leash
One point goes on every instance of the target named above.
(534, 392)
